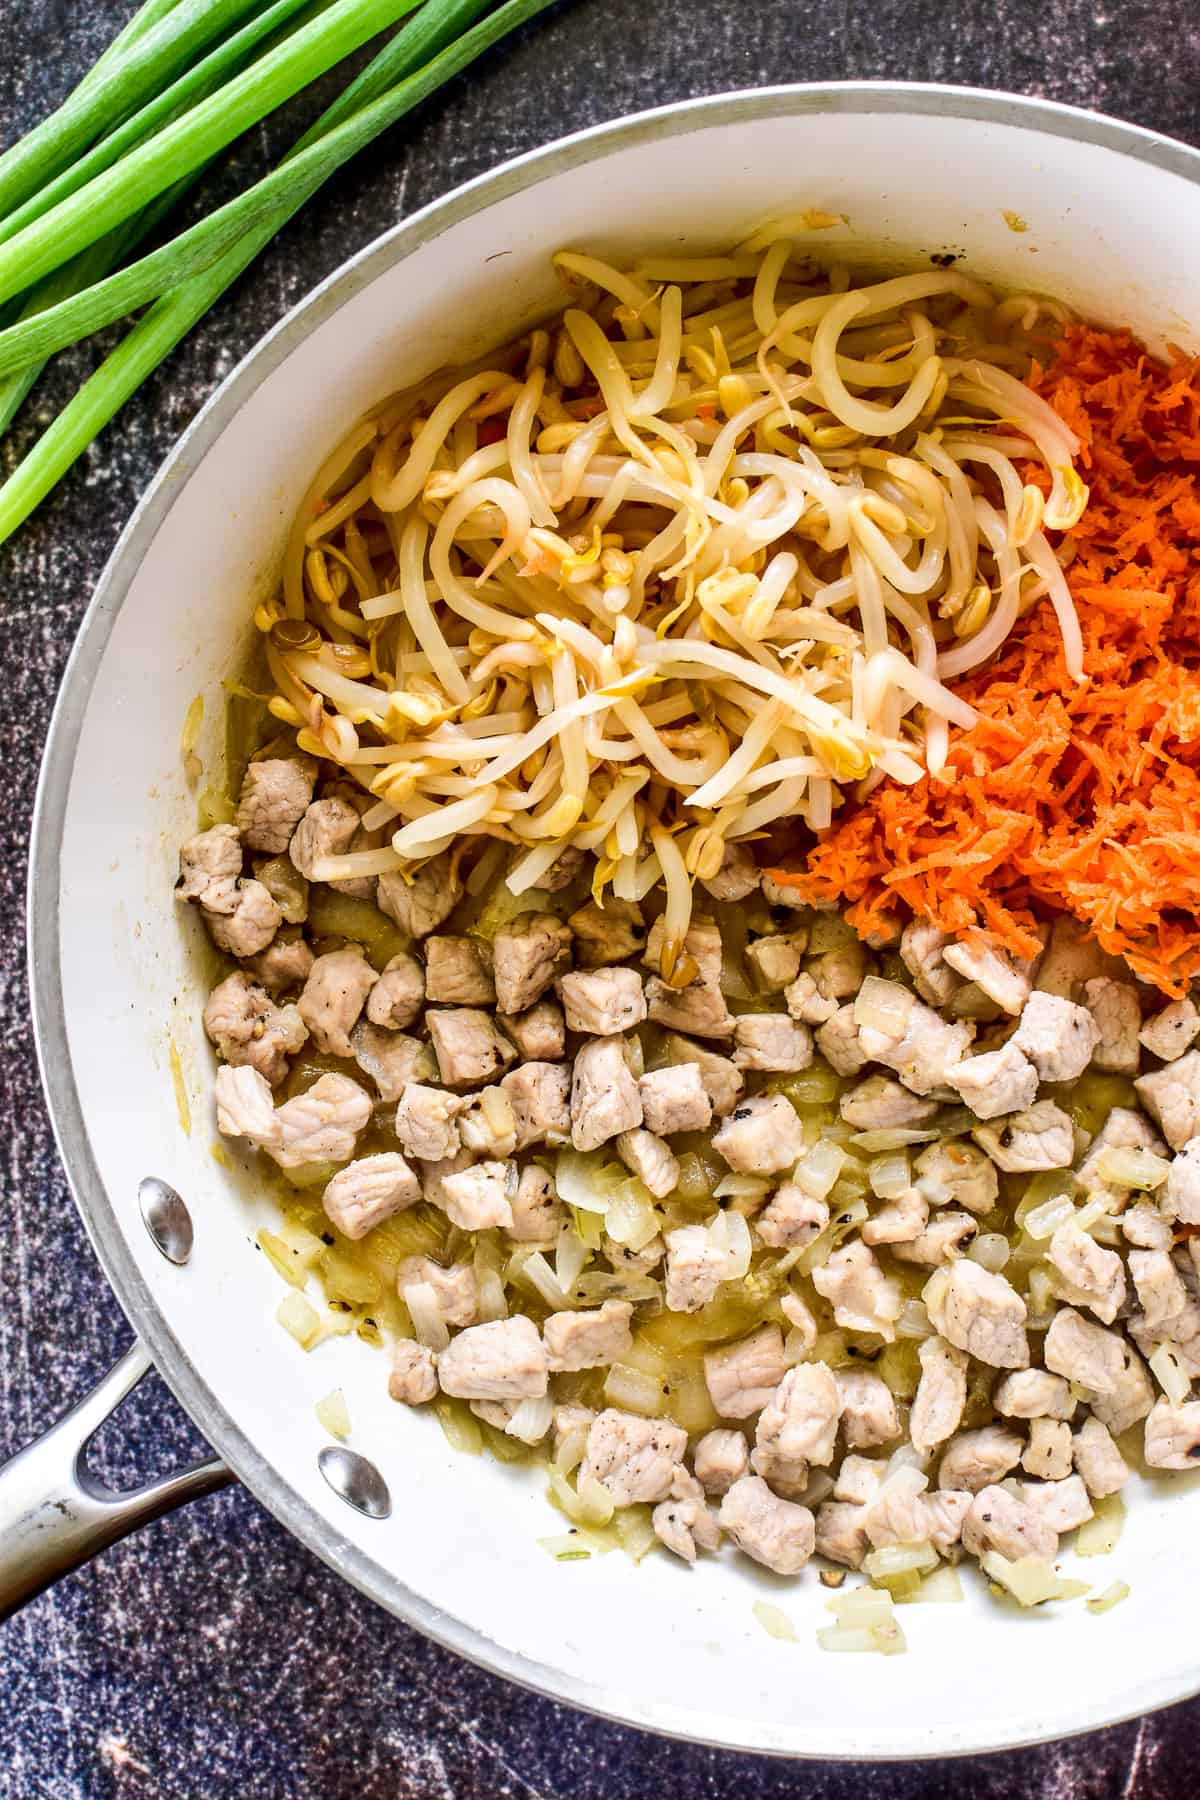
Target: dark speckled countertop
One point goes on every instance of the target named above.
(211, 1656)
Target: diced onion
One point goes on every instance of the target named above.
(634, 1390)
(891, 1137)
(729, 1233)
(914, 1321)
(1045, 1220)
(1030, 1580)
(631, 1219)
(334, 1415)
(883, 1006)
(1112, 1596)
(1170, 1374)
(943, 1587)
(429, 1326)
(568, 1546)
(571, 1449)
(1101, 1533)
(991, 1250)
(890, 1174)
(818, 1169)
(300, 1320)
(900, 1559)
(571, 1255)
(635, 1532)
(774, 1621)
(1131, 1168)
(283, 1259)
(531, 1420)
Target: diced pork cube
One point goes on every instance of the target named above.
(916, 1042)
(772, 1041)
(1160, 1290)
(945, 1237)
(723, 1081)
(413, 1379)
(602, 1002)
(1057, 1036)
(922, 951)
(1131, 1398)
(761, 1137)
(741, 1377)
(774, 962)
(941, 1395)
(738, 876)
(366, 1192)
(503, 1359)
(803, 1334)
(537, 1212)
(1061, 1501)
(1040, 1137)
(683, 1522)
(696, 1267)
(976, 1459)
(487, 1124)
(859, 1479)
(1173, 1435)
(427, 1122)
(1085, 1353)
(899, 1222)
(1172, 1096)
(528, 952)
(540, 1033)
(837, 1040)
(468, 1047)
(611, 933)
(391, 1058)
(1182, 1198)
(862, 1296)
(775, 1532)
(275, 796)
(869, 1414)
(480, 1197)
(635, 1459)
(881, 1104)
(1048, 1452)
(899, 1513)
(458, 972)
(653, 1162)
(791, 1217)
(956, 1171)
(796, 1427)
(1173, 1030)
(698, 1008)
(398, 994)
(674, 1099)
(540, 1096)
(322, 1124)
(806, 1003)
(997, 1521)
(1033, 1394)
(1098, 1461)
(1144, 1226)
(246, 1105)
(1115, 1007)
(995, 1082)
(588, 1340)
(284, 965)
(604, 1095)
(250, 1030)
(1004, 978)
(325, 830)
(248, 924)
(455, 1289)
(1091, 1276)
(721, 1458)
(981, 1313)
(209, 867)
(422, 899)
(334, 995)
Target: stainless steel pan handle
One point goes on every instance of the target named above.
(55, 1514)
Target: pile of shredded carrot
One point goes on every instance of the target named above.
(1065, 797)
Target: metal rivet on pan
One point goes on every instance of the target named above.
(356, 1480)
(166, 1218)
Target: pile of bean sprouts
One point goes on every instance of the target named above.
(700, 554)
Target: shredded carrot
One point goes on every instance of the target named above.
(1071, 798)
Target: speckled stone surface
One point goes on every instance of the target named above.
(211, 1656)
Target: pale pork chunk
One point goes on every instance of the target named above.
(537, 1213)
(1048, 1452)
(959, 1172)
(763, 1136)
(1123, 1129)
(427, 1122)
(540, 1096)
(805, 1001)
(540, 1033)
(837, 1040)
(862, 1296)
(698, 1008)
(1033, 1394)
(602, 1002)
(900, 1513)
(721, 1458)
(588, 1340)
(841, 1534)
(604, 1096)
(563, 870)
(1172, 1031)
(738, 876)
(1173, 1435)
(1089, 1274)
(945, 1237)
(699, 959)
(741, 1377)
(433, 1175)
(246, 1105)
(774, 962)
(1144, 1226)
(840, 972)
(487, 1124)
(791, 1217)
(275, 796)
(468, 1047)
(248, 925)
(527, 954)
(1088, 1354)
(981, 1313)
(477, 1198)
(633, 1262)
(922, 951)
(503, 1359)
(1171, 1095)
(916, 1041)
(859, 1479)
(398, 994)
(570, 1419)
(998, 1521)
(1074, 958)
(803, 1334)
(1131, 1398)
(900, 1221)
(1181, 1332)
(611, 933)
(995, 1082)
(941, 1395)
(322, 1124)
(674, 1099)
(249, 1029)
(696, 1267)
(683, 1522)
(881, 1104)
(1060, 1502)
(653, 1162)
(325, 830)
(723, 1081)
(1057, 1036)
(284, 965)
(776, 1533)
(635, 1459)
(975, 1459)
(455, 1289)
(367, 1191)
(458, 972)
(334, 996)
(1182, 1197)
(1097, 1459)
(1115, 1007)
(209, 866)
(1004, 978)
(1160, 1291)
(391, 1058)
(1041, 1137)
(421, 899)
(413, 1379)
(773, 1042)
(796, 1427)
(869, 1414)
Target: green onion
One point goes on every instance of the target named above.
(170, 318)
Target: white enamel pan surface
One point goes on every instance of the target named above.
(1113, 217)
